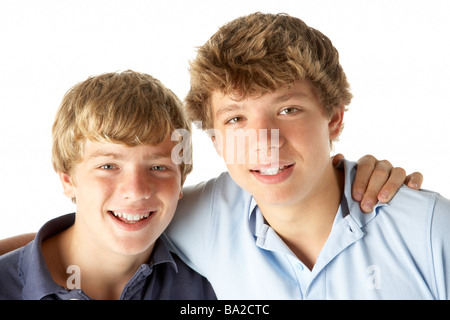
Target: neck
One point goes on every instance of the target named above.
(306, 225)
(103, 274)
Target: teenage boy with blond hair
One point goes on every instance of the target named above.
(112, 149)
(285, 226)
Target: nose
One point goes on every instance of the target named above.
(136, 185)
(267, 132)
(269, 139)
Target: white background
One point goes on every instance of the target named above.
(396, 55)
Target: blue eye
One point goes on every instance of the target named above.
(108, 167)
(159, 168)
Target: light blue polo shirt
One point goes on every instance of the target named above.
(399, 251)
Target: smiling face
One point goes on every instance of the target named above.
(126, 196)
(291, 169)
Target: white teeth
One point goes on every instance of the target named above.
(131, 217)
(271, 171)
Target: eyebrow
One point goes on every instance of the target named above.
(121, 156)
(233, 107)
(229, 108)
(288, 96)
(105, 154)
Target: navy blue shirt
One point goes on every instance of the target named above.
(24, 274)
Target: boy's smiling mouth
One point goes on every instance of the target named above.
(271, 174)
(273, 171)
(131, 218)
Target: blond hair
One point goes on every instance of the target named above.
(260, 53)
(127, 108)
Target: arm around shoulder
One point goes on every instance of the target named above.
(12, 243)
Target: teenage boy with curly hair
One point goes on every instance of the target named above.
(282, 224)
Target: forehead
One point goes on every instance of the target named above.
(300, 89)
(95, 149)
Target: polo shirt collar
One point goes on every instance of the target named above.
(161, 254)
(348, 205)
(38, 281)
(265, 237)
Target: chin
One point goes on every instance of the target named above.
(132, 246)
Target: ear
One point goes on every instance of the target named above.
(68, 186)
(336, 121)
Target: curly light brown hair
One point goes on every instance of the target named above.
(127, 108)
(260, 53)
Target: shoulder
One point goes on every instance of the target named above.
(440, 245)
(197, 286)
(10, 275)
(421, 214)
(442, 205)
(201, 203)
(423, 202)
(175, 279)
(412, 207)
(205, 192)
(441, 217)
(9, 262)
(206, 215)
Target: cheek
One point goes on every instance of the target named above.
(91, 191)
(169, 193)
(310, 144)
(313, 135)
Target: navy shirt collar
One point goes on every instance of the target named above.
(35, 274)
